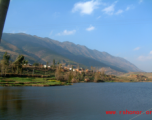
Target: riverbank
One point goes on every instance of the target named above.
(30, 81)
(46, 82)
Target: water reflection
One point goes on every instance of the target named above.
(10, 101)
(77, 102)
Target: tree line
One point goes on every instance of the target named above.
(16, 65)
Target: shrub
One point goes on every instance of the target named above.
(68, 76)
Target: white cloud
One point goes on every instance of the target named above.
(137, 48)
(130, 7)
(119, 12)
(109, 10)
(66, 32)
(86, 7)
(145, 58)
(90, 28)
(140, 1)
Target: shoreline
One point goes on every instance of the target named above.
(22, 84)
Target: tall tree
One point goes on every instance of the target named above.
(18, 64)
(5, 63)
(58, 73)
(35, 64)
(72, 67)
(47, 64)
(25, 62)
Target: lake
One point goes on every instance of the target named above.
(80, 101)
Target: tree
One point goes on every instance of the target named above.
(47, 64)
(68, 76)
(25, 62)
(36, 64)
(72, 67)
(5, 63)
(78, 66)
(96, 77)
(18, 64)
(102, 71)
(58, 74)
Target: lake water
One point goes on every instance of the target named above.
(81, 101)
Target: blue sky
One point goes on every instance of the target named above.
(122, 28)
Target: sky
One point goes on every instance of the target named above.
(122, 28)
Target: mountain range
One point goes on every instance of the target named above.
(38, 49)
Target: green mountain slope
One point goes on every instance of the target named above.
(33, 54)
(99, 56)
(45, 49)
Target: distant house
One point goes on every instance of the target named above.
(44, 66)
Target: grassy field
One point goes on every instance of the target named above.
(50, 80)
(26, 81)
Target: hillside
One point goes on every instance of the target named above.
(37, 55)
(45, 49)
(147, 74)
(99, 56)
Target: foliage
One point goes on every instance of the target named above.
(23, 81)
(36, 64)
(58, 75)
(53, 80)
(47, 64)
(102, 71)
(17, 65)
(68, 76)
(25, 62)
(97, 77)
(5, 63)
(53, 62)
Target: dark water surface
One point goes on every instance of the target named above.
(81, 101)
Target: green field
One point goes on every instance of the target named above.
(27, 81)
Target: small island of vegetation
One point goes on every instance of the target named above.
(21, 73)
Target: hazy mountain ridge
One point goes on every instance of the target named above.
(46, 49)
(103, 57)
(32, 51)
(13, 51)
